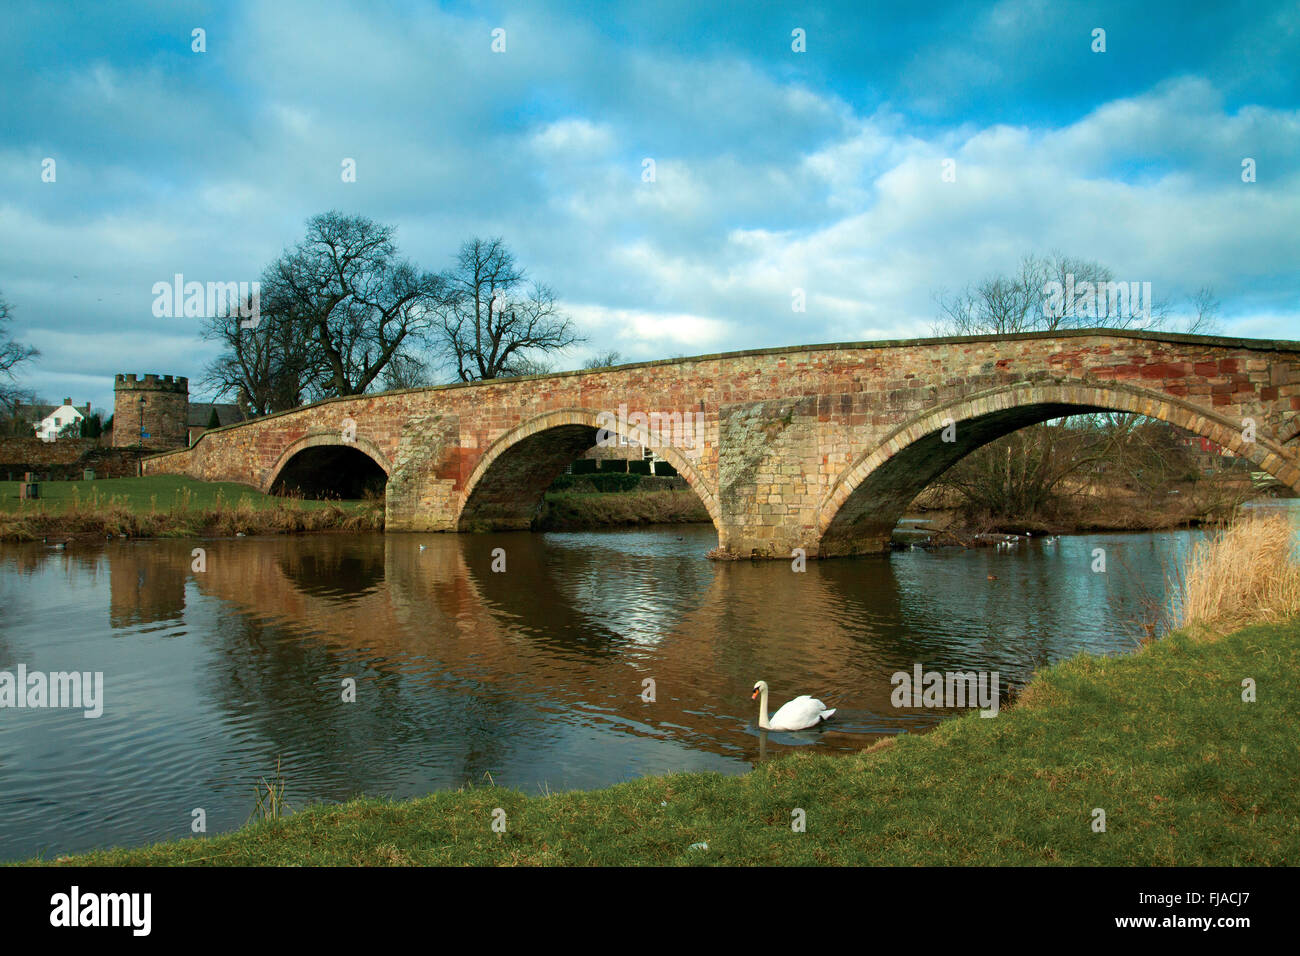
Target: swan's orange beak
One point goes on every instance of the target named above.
(753, 695)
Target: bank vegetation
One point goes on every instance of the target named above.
(169, 506)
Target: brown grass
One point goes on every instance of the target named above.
(566, 511)
(1245, 574)
(114, 519)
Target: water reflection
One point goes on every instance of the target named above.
(534, 675)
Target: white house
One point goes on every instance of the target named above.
(55, 419)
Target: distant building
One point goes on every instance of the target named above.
(48, 420)
(200, 417)
(154, 411)
(1208, 456)
(1204, 445)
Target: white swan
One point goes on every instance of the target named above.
(799, 714)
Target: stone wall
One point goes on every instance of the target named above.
(33, 454)
(156, 405)
(65, 459)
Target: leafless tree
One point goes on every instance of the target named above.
(525, 366)
(267, 365)
(1023, 474)
(1205, 306)
(12, 354)
(607, 359)
(356, 302)
(407, 371)
(335, 312)
(1023, 301)
(494, 322)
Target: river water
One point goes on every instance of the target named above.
(533, 676)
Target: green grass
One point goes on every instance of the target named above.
(140, 495)
(1187, 773)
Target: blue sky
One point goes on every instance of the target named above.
(775, 170)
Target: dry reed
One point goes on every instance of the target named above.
(1247, 573)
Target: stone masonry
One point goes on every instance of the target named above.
(150, 405)
(813, 447)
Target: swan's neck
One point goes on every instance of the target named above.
(762, 709)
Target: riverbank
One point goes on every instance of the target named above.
(1161, 741)
(574, 511)
(173, 506)
(1194, 505)
(170, 506)
(611, 499)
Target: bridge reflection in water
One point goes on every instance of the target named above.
(534, 675)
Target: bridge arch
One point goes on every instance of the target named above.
(505, 486)
(866, 500)
(327, 443)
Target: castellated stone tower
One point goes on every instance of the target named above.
(153, 406)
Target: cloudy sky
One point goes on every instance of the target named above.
(774, 169)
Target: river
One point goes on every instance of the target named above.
(533, 676)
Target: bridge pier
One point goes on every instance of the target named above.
(779, 542)
(421, 493)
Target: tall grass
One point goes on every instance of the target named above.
(270, 796)
(1247, 573)
(116, 518)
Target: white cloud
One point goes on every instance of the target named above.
(762, 185)
(573, 138)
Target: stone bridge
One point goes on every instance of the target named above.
(814, 447)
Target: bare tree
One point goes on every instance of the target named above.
(268, 365)
(406, 371)
(494, 321)
(357, 303)
(523, 367)
(999, 305)
(12, 354)
(607, 359)
(1205, 312)
(1044, 294)
(1025, 473)
(335, 312)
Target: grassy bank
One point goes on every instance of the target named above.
(1186, 770)
(169, 506)
(567, 511)
(173, 506)
(607, 499)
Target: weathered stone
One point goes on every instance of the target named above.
(816, 447)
